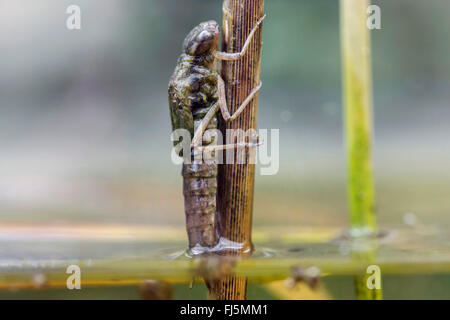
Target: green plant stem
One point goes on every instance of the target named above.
(357, 88)
(355, 39)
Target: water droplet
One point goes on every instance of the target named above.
(39, 280)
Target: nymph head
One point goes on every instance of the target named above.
(203, 39)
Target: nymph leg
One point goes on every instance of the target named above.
(222, 104)
(238, 55)
(223, 100)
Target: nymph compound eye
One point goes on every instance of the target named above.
(204, 36)
(203, 39)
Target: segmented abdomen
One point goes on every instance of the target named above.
(199, 189)
(192, 92)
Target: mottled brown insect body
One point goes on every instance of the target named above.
(192, 93)
(196, 93)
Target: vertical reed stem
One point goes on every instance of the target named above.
(236, 181)
(357, 77)
(357, 86)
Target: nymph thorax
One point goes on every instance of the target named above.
(193, 86)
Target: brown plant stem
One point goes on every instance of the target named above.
(236, 181)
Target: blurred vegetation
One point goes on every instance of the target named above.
(85, 123)
(419, 287)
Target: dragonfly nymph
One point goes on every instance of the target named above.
(196, 94)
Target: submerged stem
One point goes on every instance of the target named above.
(236, 181)
(357, 88)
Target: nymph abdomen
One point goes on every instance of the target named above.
(199, 189)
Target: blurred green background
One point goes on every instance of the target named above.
(84, 131)
(424, 287)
